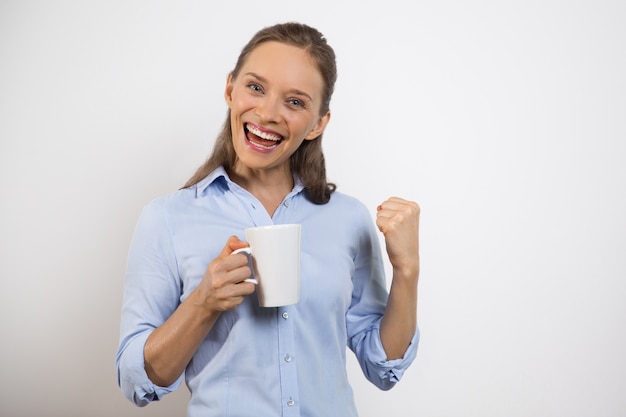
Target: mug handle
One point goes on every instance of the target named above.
(248, 254)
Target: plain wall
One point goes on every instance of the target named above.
(504, 120)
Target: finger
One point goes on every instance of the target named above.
(386, 213)
(231, 261)
(396, 205)
(232, 244)
(237, 268)
(228, 268)
(245, 268)
(393, 200)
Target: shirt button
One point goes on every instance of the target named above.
(286, 203)
(291, 403)
(285, 315)
(287, 358)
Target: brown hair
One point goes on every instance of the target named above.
(307, 163)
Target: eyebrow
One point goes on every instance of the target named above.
(293, 90)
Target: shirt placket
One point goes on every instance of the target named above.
(287, 359)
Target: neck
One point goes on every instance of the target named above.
(270, 187)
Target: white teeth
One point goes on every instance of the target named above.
(263, 135)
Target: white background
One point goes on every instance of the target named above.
(506, 121)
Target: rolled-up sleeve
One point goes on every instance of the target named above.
(371, 355)
(151, 294)
(132, 377)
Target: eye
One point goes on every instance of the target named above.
(255, 87)
(296, 102)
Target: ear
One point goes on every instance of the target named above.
(229, 89)
(319, 127)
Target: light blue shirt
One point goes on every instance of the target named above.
(279, 361)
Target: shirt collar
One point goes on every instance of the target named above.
(219, 175)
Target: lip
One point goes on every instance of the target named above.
(261, 139)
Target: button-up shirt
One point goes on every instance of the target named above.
(278, 361)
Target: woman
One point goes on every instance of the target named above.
(187, 310)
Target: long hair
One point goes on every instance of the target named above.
(307, 162)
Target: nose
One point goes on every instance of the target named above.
(267, 109)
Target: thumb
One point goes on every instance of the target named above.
(233, 243)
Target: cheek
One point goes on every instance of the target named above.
(299, 125)
(237, 103)
(239, 99)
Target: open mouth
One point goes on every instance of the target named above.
(261, 139)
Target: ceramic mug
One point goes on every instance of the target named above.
(275, 262)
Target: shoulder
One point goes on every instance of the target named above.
(166, 206)
(347, 208)
(346, 201)
(185, 197)
(172, 199)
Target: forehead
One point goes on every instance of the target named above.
(285, 65)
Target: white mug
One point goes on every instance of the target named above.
(275, 253)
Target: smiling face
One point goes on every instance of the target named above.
(274, 105)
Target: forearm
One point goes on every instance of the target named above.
(398, 219)
(170, 347)
(400, 319)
